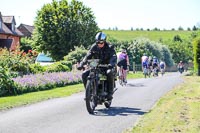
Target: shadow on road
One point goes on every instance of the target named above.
(122, 111)
(135, 85)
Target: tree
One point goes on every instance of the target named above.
(181, 51)
(131, 28)
(194, 28)
(59, 26)
(196, 51)
(177, 38)
(180, 28)
(188, 29)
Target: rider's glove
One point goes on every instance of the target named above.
(80, 66)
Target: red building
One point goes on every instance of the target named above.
(9, 34)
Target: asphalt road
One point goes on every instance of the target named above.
(69, 115)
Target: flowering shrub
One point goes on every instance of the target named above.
(17, 61)
(44, 81)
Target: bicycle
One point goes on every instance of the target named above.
(121, 77)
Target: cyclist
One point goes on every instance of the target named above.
(144, 61)
(155, 64)
(180, 66)
(123, 60)
(150, 63)
(162, 66)
(104, 51)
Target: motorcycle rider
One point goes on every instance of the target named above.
(104, 51)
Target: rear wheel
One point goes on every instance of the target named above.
(120, 80)
(90, 96)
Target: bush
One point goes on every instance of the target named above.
(67, 63)
(196, 51)
(7, 85)
(76, 55)
(36, 68)
(57, 67)
(17, 61)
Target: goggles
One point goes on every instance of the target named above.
(99, 42)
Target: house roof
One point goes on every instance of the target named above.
(6, 30)
(9, 19)
(28, 27)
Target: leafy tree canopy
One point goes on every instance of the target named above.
(59, 26)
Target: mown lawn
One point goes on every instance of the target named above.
(125, 35)
(177, 111)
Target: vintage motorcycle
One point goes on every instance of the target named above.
(97, 86)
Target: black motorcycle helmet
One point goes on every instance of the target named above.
(100, 36)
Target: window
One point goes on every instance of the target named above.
(13, 27)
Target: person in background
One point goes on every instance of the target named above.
(155, 62)
(123, 60)
(150, 63)
(144, 61)
(180, 66)
(162, 67)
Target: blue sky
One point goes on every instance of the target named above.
(124, 14)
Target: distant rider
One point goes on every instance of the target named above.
(155, 62)
(181, 66)
(162, 65)
(144, 61)
(123, 60)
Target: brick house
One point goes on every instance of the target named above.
(27, 30)
(9, 34)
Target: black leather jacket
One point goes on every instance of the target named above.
(107, 54)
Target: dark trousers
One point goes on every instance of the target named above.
(110, 73)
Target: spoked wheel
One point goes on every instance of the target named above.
(120, 80)
(145, 75)
(108, 103)
(90, 97)
(145, 71)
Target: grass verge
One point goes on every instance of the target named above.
(132, 75)
(15, 101)
(177, 111)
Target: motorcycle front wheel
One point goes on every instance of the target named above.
(108, 103)
(90, 96)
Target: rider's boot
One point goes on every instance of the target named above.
(111, 80)
(110, 94)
